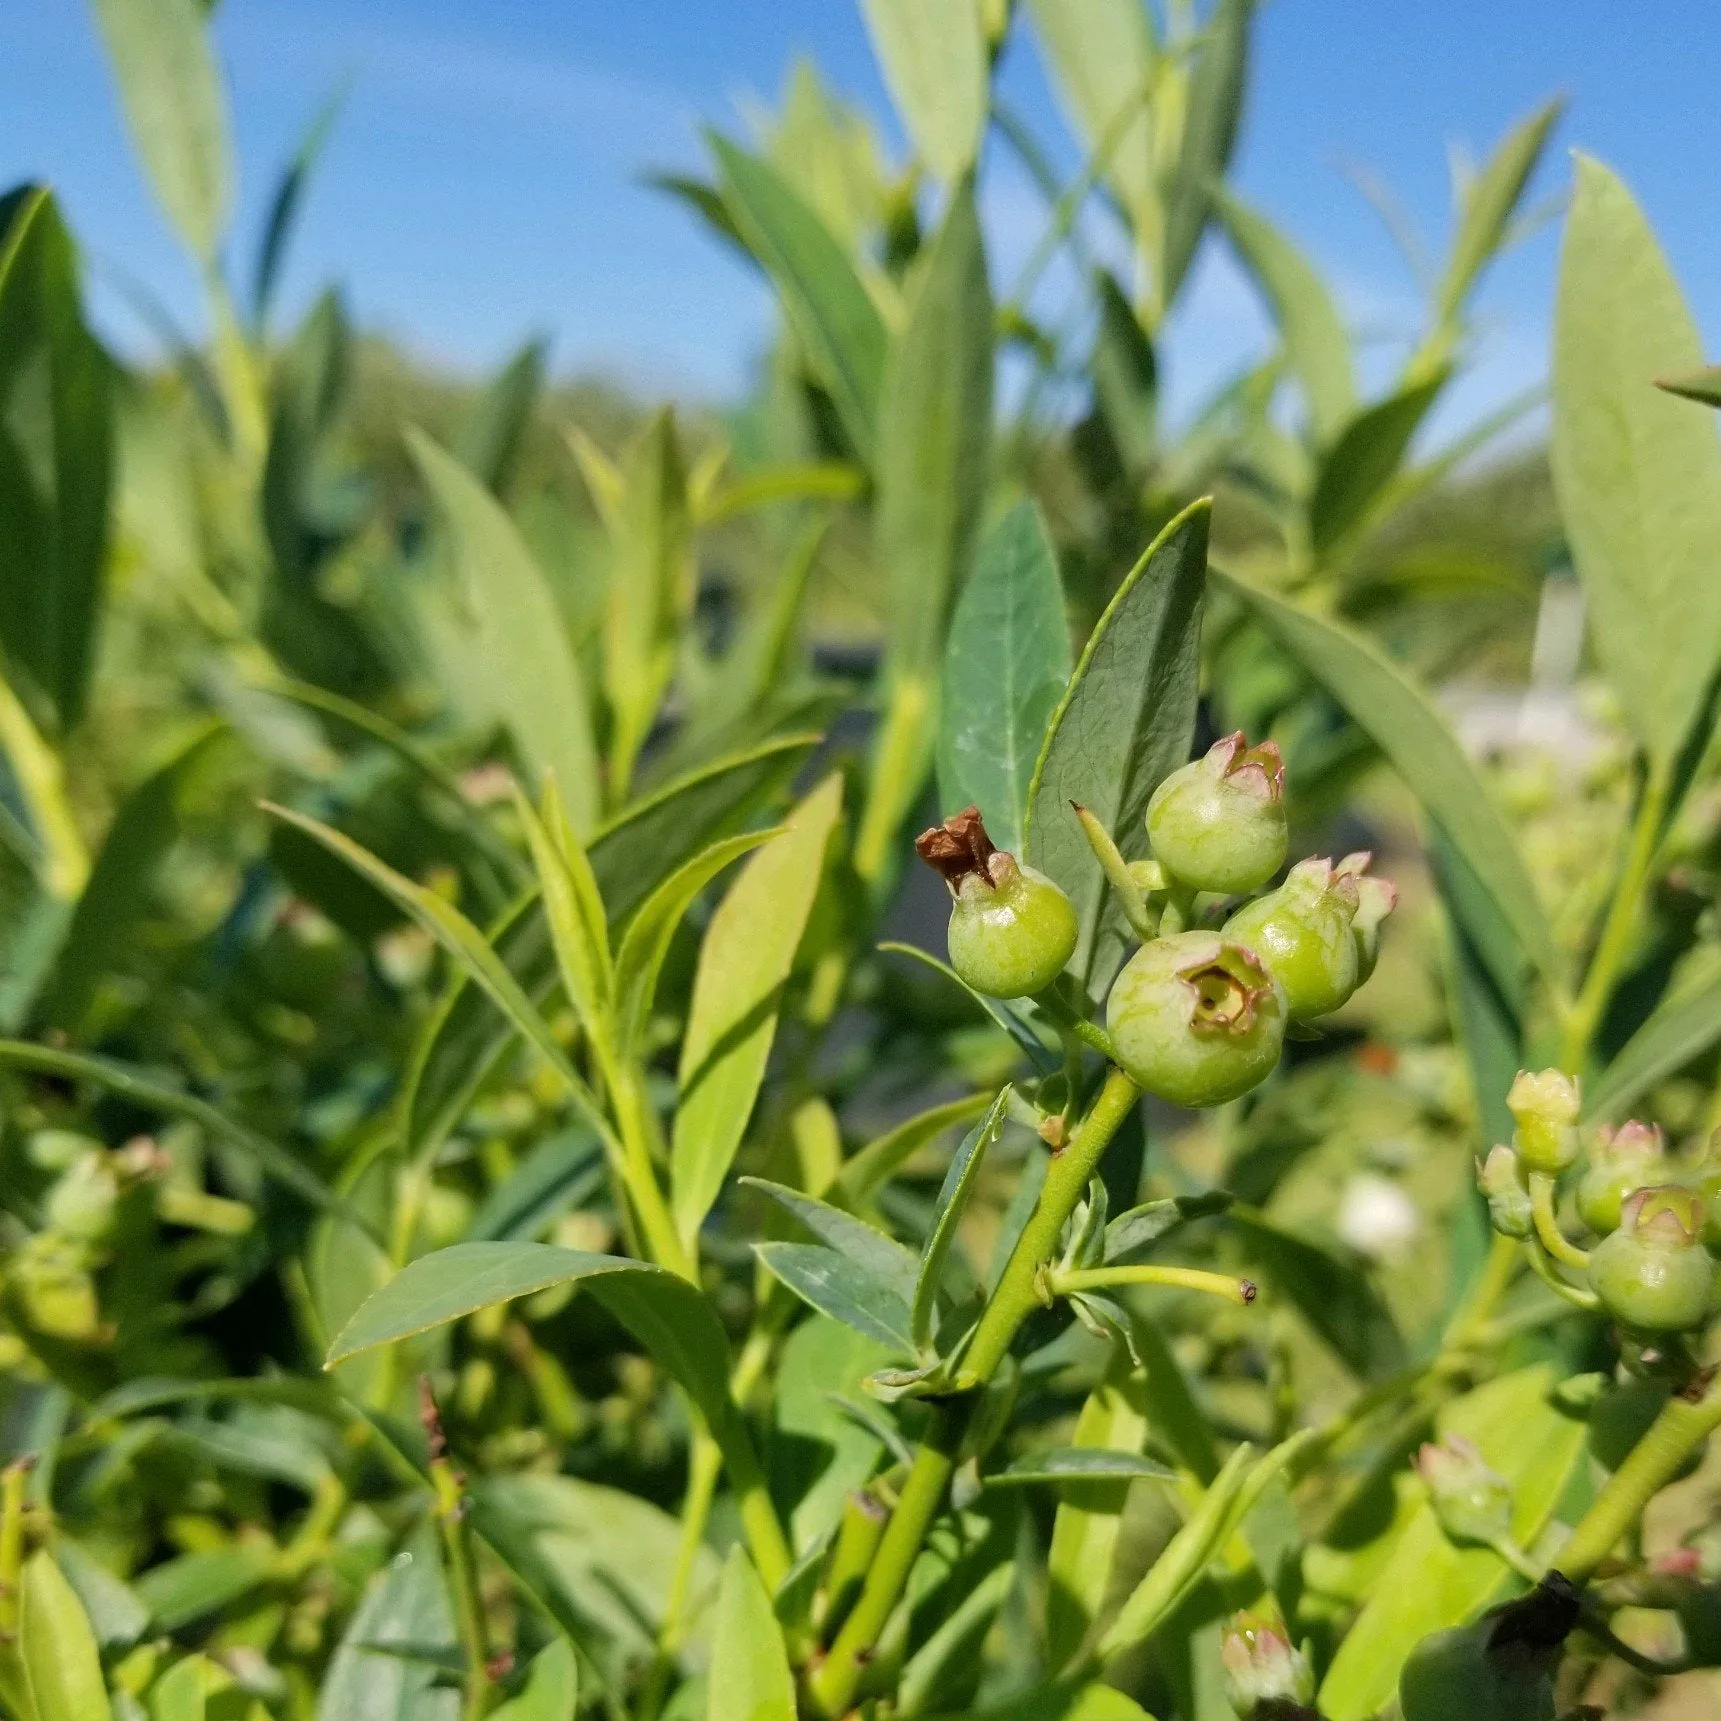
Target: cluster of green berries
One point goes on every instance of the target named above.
(1197, 1016)
(1651, 1266)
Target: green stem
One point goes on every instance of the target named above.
(1615, 940)
(1685, 1422)
(449, 1504)
(1474, 1312)
(1554, 1240)
(12, 1482)
(834, 1682)
(1543, 1268)
(1174, 1278)
(704, 1465)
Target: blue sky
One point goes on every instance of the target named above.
(483, 183)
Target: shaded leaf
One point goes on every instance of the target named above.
(953, 1198)
(1043, 1058)
(1355, 472)
(1682, 1027)
(495, 429)
(1125, 722)
(551, 1691)
(881, 1159)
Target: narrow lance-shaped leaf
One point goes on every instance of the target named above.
(953, 1198)
(1682, 1027)
(1316, 346)
(1699, 385)
(1401, 720)
(1215, 107)
(1356, 471)
(536, 679)
(744, 963)
(823, 296)
(495, 428)
(1638, 474)
(934, 57)
(1090, 1515)
(750, 1677)
(56, 457)
(1005, 664)
(1489, 204)
(171, 88)
(1125, 723)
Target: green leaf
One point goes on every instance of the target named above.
(1329, 1287)
(1080, 1468)
(651, 588)
(1126, 380)
(1489, 203)
(934, 436)
(838, 1286)
(643, 844)
(750, 1675)
(1131, 1234)
(494, 434)
(1402, 721)
(124, 1080)
(117, 1616)
(1428, 1583)
(1005, 664)
(1637, 473)
(934, 57)
(1355, 472)
(61, 1662)
(882, 1258)
(1125, 722)
(1064, 1702)
(1682, 1027)
(880, 1160)
(947, 1667)
(173, 99)
(1102, 57)
(563, 1172)
(521, 635)
(1699, 385)
(599, 1561)
(181, 1591)
(56, 457)
(551, 1691)
(183, 1692)
(284, 205)
(1214, 107)
(823, 297)
(1316, 346)
(1113, 1422)
(744, 963)
(144, 829)
(640, 959)
(372, 1676)
(953, 1198)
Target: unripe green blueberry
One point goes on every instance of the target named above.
(1620, 1160)
(1376, 899)
(1453, 1676)
(1196, 1019)
(1653, 1274)
(1472, 1502)
(1498, 1668)
(1501, 1180)
(1302, 932)
(1544, 1105)
(1011, 929)
(1219, 823)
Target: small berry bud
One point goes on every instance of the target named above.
(1376, 899)
(1261, 1665)
(1219, 823)
(1544, 1105)
(1620, 1160)
(1302, 932)
(1653, 1274)
(1501, 1180)
(1472, 1502)
(1196, 1019)
(1012, 930)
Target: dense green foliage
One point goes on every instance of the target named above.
(505, 1208)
